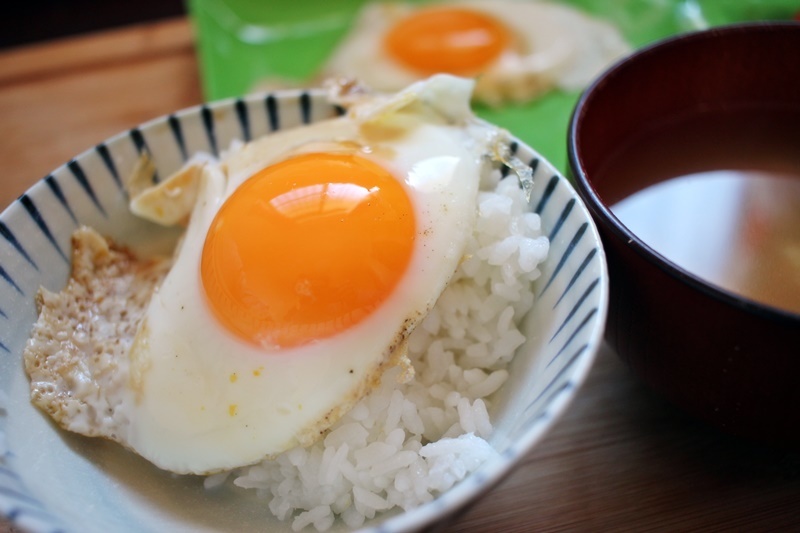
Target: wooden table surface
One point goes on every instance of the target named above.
(620, 459)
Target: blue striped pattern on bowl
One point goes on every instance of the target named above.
(52, 481)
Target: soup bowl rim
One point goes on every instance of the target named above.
(606, 218)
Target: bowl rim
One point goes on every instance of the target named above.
(603, 213)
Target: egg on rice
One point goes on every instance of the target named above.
(334, 320)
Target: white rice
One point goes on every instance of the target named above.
(404, 444)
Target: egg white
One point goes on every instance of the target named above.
(202, 400)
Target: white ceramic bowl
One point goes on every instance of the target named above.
(54, 481)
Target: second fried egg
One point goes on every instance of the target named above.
(516, 49)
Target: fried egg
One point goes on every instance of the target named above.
(518, 50)
(309, 257)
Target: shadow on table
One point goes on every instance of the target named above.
(40, 20)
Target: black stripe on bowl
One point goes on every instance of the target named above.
(21, 496)
(561, 219)
(534, 421)
(34, 213)
(3, 347)
(105, 155)
(271, 107)
(510, 453)
(305, 107)
(80, 176)
(208, 124)
(139, 141)
(581, 269)
(24, 504)
(52, 183)
(575, 307)
(548, 192)
(479, 478)
(7, 472)
(244, 119)
(38, 514)
(17, 513)
(534, 164)
(550, 391)
(574, 334)
(5, 275)
(512, 150)
(13, 241)
(141, 148)
(177, 132)
(563, 259)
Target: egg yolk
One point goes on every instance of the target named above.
(306, 248)
(447, 39)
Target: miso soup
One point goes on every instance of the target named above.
(718, 194)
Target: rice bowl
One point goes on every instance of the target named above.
(564, 328)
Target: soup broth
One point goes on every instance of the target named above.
(718, 194)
